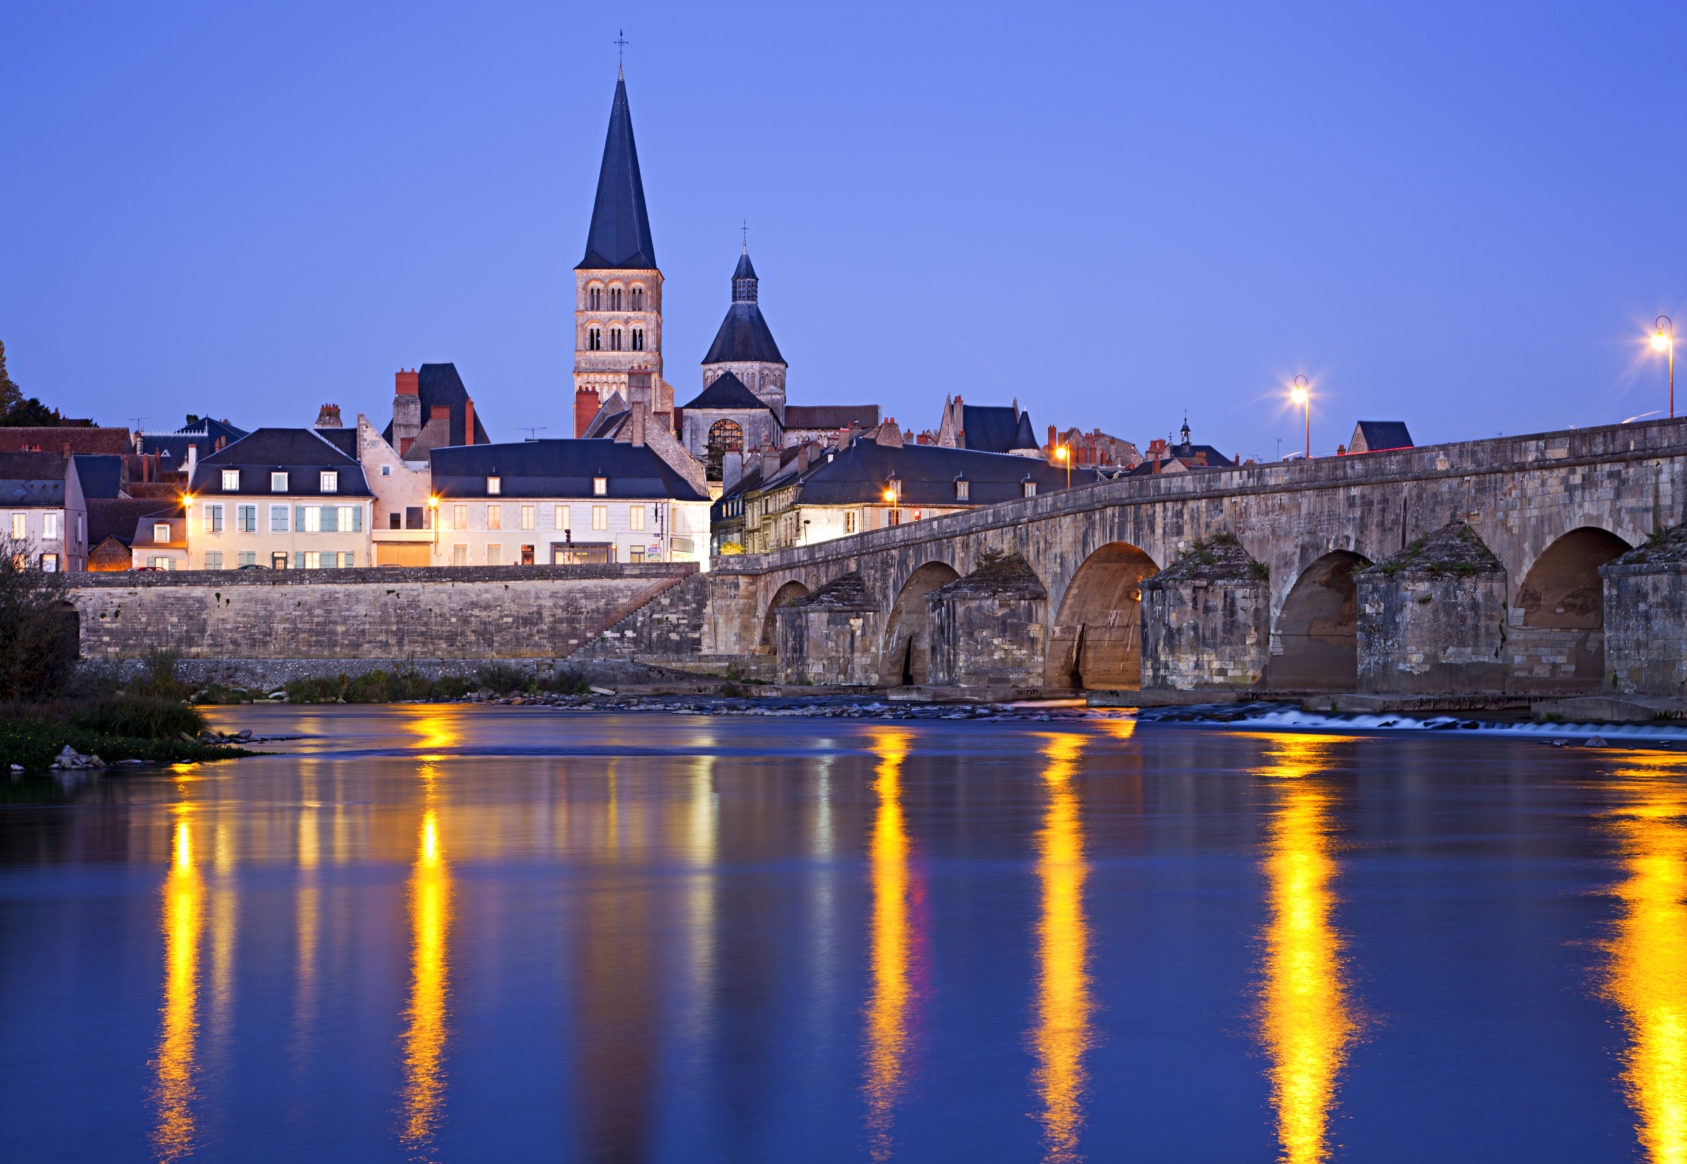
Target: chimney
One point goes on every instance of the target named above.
(636, 421)
(192, 461)
(585, 407)
(731, 469)
(468, 422)
(406, 411)
(769, 462)
(328, 416)
(66, 447)
(804, 456)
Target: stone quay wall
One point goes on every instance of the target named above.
(424, 613)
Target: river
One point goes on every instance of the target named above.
(465, 933)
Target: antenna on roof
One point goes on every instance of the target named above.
(532, 431)
(139, 422)
(746, 229)
(621, 42)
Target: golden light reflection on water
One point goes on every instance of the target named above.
(426, 1029)
(435, 727)
(1306, 1013)
(1062, 1034)
(1647, 972)
(173, 1067)
(891, 944)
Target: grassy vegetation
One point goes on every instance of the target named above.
(391, 687)
(116, 727)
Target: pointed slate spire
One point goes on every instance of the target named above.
(744, 280)
(1024, 439)
(620, 234)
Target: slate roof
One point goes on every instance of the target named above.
(557, 468)
(204, 432)
(728, 392)
(857, 474)
(1023, 437)
(989, 428)
(31, 479)
(620, 232)
(53, 438)
(745, 269)
(743, 337)
(439, 386)
(344, 439)
(300, 452)
(118, 517)
(99, 476)
(832, 416)
(1385, 434)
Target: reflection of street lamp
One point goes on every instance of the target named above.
(1302, 394)
(1664, 341)
(1064, 455)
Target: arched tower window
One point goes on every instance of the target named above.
(594, 339)
(615, 299)
(614, 339)
(594, 298)
(725, 436)
(638, 298)
(638, 339)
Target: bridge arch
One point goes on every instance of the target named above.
(1315, 644)
(906, 657)
(1097, 639)
(1559, 643)
(784, 596)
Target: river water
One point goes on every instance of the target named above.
(458, 933)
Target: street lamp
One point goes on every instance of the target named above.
(1664, 341)
(433, 517)
(1064, 455)
(1302, 394)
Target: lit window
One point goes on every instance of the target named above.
(313, 519)
(1030, 488)
(20, 525)
(330, 481)
(849, 523)
(349, 515)
(961, 486)
(231, 480)
(494, 517)
(562, 517)
(161, 563)
(600, 517)
(494, 554)
(49, 527)
(313, 559)
(527, 512)
(460, 519)
(459, 555)
(278, 482)
(160, 532)
(278, 519)
(635, 517)
(278, 560)
(494, 486)
(213, 559)
(50, 563)
(600, 486)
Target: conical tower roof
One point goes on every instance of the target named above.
(620, 233)
(743, 336)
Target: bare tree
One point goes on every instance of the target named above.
(38, 627)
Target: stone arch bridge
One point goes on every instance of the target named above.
(1272, 585)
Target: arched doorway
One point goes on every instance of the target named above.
(1316, 644)
(784, 596)
(1561, 644)
(907, 642)
(1097, 640)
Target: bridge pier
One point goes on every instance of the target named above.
(830, 636)
(1646, 618)
(1206, 621)
(987, 628)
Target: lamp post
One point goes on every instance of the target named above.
(1302, 395)
(1664, 341)
(1064, 455)
(433, 517)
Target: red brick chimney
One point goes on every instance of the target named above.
(408, 384)
(468, 422)
(585, 407)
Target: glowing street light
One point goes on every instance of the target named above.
(433, 516)
(1664, 341)
(1064, 456)
(1302, 394)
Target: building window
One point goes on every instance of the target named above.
(614, 339)
(526, 555)
(635, 517)
(494, 486)
(351, 518)
(231, 480)
(330, 481)
(961, 486)
(278, 519)
(494, 517)
(348, 559)
(527, 516)
(460, 518)
(313, 559)
(615, 299)
(594, 339)
(494, 554)
(1030, 488)
(849, 522)
(20, 525)
(212, 519)
(278, 482)
(594, 298)
(636, 554)
(638, 339)
(161, 563)
(246, 518)
(562, 517)
(50, 563)
(278, 560)
(600, 486)
(161, 532)
(600, 517)
(386, 470)
(638, 298)
(213, 559)
(725, 436)
(246, 558)
(49, 527)
(313, 519)
(459, 555)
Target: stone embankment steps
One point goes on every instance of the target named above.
(664, 619)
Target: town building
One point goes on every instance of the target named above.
(280, 497)
(986, 428)
(44, 512)
(1376, 436)
(1165, 457)
(565, 502)
(65, 440)
(1092, 450)
(431, 409)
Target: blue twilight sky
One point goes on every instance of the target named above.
(1463, 216)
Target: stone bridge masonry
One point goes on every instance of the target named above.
(1294, 612)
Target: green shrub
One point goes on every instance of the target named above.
(34, 743)
(502, 678)
(38, 627)
(568, 682)
(141, 717)
(316, 689)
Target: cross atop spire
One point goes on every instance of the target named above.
(621, 42)
(619, 238)
(746, 229)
